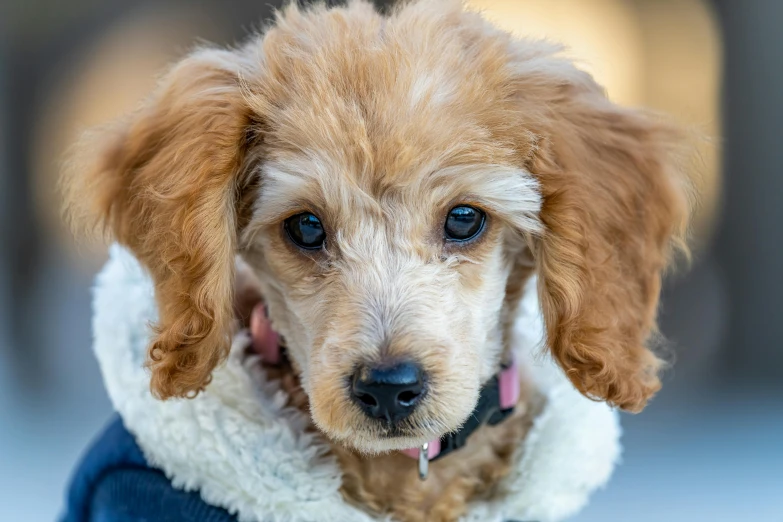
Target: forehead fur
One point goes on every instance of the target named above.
(386, 98)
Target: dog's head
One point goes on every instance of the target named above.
(392, 181)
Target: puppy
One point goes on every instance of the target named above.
(393, 181)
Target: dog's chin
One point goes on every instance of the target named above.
(368, 438)
(372, 444)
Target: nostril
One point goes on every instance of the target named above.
(408, 397)
(366, 399)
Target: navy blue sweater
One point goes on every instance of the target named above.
(114, 483)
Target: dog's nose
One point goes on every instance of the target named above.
(388, 393)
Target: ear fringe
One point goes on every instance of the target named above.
(616, 209)
(163, 182)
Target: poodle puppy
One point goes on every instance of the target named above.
(392, 181)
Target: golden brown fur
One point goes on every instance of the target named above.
(164, 183)
(389, 483)
(380, 124)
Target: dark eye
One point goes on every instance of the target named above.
(463, 223)
(305, 230)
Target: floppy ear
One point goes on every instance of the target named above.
(614, 203)
(165, 183)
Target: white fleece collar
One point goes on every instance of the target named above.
(244, 450)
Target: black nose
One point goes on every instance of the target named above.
(388, 393)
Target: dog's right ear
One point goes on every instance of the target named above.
(165, 183)
(615, 207)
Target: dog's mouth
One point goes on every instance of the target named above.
(370, 436)
(379, 437)
(407, 428)
(396, 432)
(376, 443)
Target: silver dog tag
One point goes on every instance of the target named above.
(424, 462)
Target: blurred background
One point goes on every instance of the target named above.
(709, 448)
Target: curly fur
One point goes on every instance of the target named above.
(378, 124)
(163, 182)
(241, 447)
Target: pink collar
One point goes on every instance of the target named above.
(496, 401)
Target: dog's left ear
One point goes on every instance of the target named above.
(165, 182)
(614, 203)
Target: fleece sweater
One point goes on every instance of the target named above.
(239, 449)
